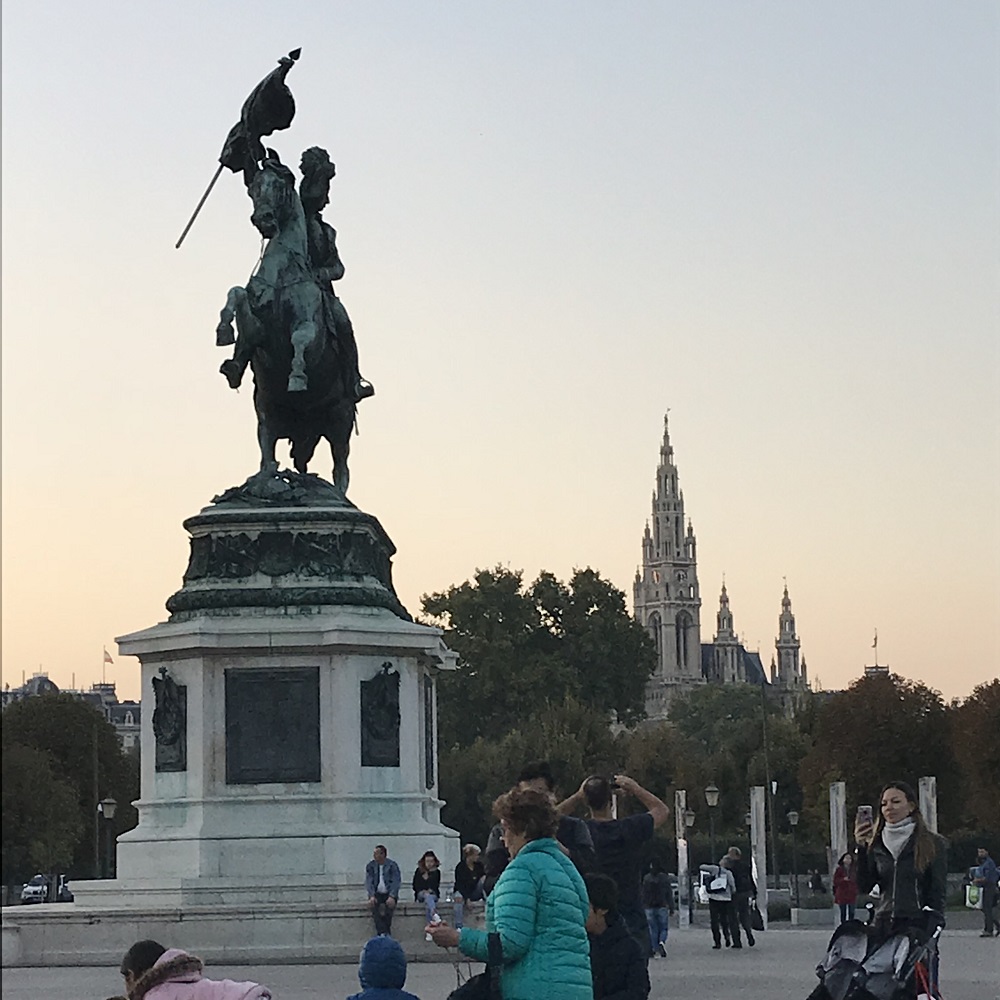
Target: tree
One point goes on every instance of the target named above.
(69, 731)
(40, 820)
(574, 739)
(881, 729)
(975, 724)
(522, 650)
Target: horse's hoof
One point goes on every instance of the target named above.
(224, 335)
(297, 383)
(233, 373)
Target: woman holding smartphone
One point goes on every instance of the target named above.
(900, 855)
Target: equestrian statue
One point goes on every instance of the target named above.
(292, 330)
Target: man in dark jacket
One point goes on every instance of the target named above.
(745, 890)
(616, 961)
(573, 835)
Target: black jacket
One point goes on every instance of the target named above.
(742, 876)
(904, 890)
(429, 881)
(617, 964)
(572, 833)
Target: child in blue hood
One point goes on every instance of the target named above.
(382, 971)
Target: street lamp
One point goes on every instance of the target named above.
(106, 808)
(793, 822)
(711, 800)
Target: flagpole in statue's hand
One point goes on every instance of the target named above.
(194, 215)
(269, 107)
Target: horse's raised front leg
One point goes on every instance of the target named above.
(224, 331)
(302, 337)
(248, 337)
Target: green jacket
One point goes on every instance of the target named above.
(539, 907)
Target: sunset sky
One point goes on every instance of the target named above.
(780, 220)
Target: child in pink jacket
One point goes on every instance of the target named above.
(153, 972)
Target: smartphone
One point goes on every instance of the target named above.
(865, 816)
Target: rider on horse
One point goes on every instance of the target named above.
(327, 267)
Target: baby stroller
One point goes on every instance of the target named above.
(860, 966)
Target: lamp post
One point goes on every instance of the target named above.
(793, 822)
(689, 822)
(711, 800)
(106, 808)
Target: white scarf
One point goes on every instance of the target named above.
(895, 835)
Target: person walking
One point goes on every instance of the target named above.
(986, 879)
(845, 887)
(382, 883)
(720, 886)
(538, 909)
(658, 902)
(427, 883)
(746, 890)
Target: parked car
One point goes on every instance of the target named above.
(63, 892)
(35, 891)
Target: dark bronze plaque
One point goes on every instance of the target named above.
(380, 719)
(272, 725)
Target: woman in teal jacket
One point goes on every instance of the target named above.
(539, 907)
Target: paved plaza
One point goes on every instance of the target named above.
(779, 968)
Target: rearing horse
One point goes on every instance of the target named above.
(302, 389)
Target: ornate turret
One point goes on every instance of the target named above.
(787, 675)
(727, 659)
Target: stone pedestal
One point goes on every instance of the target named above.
(294, 725)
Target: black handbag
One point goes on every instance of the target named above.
(485, 985)
(756, 920)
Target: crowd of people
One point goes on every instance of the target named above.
(572, 913)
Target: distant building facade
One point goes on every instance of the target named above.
(667, 603)
(125, 716)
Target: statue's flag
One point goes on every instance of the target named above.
(269, 108)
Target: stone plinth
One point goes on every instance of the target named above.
(295, 721)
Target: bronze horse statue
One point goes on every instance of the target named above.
(303, 389)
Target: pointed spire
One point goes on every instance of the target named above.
(666, 450)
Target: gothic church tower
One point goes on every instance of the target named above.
(666, 599)
(788, 676)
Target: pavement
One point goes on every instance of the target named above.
(780, 967)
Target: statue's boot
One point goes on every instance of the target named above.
(297, 383)
(363, 390)
(233, 373)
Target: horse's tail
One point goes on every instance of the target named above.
(303, 449)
